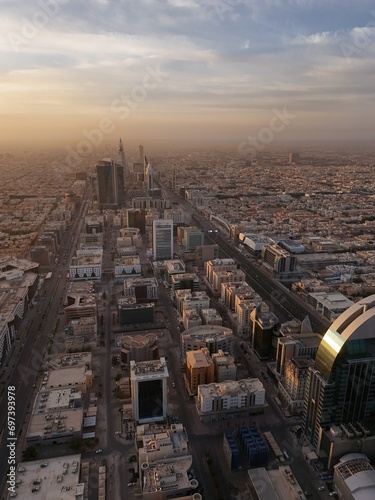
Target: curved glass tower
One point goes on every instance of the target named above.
(341, 386)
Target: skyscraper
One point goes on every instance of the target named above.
(149, 177)
(105, 177)
(162, 238)
(341, 386)
(121, 156)
(111, 184)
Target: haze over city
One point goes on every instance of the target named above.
(185, 70)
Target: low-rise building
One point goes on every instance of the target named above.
(86, 268)
(224, 366)
(210, 316)
(211, 336)
(128, 267)
(143, 289)
(157, 442)
(57, 477)
(161, 479)
(57, 417)
(230, 399)
(138, 348)
(354, 477)
(199, 368)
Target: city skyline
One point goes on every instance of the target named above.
(180, 71)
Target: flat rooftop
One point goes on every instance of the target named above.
(54, 483)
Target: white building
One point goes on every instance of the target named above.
(230, 399)
(128, 267)
(86, 268)
(141, 288)
(211, 336)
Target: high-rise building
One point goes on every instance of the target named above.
(141, 153)
(341, 386)
(149, 390)
(111, 188)
(162, 238)
(121, 156)
(149, 177)
(104, 172)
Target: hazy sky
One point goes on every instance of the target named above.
(186, 69)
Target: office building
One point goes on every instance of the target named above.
(111, 188)
(149, 177)
(121, 160)
(341, 386)
(162, 239)
(138, 348)
(143, 289)
(205, 253)
(130, 313)
(295, 345)
(149, 390)
(281, 262)
(262, 330)
(292, 387)
(192, 237)
(135, 217)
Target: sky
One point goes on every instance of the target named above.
(80, 74)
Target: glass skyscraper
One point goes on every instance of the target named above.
(341, 386)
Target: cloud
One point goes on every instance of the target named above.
(229, 55)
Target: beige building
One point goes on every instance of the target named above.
(211, 336)
(157, 442)
(230, 399)
(219, 277)
(191, 318)
(217, 265)
(199, 368)
(57, 417)
(224, 366)
(210, 316)
(292, 387)
(138, 348)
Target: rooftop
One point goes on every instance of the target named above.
(57, 478)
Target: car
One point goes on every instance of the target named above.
(321, 488)
(173, 385)
(99, 451)
(118, 433)
(131, 484)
